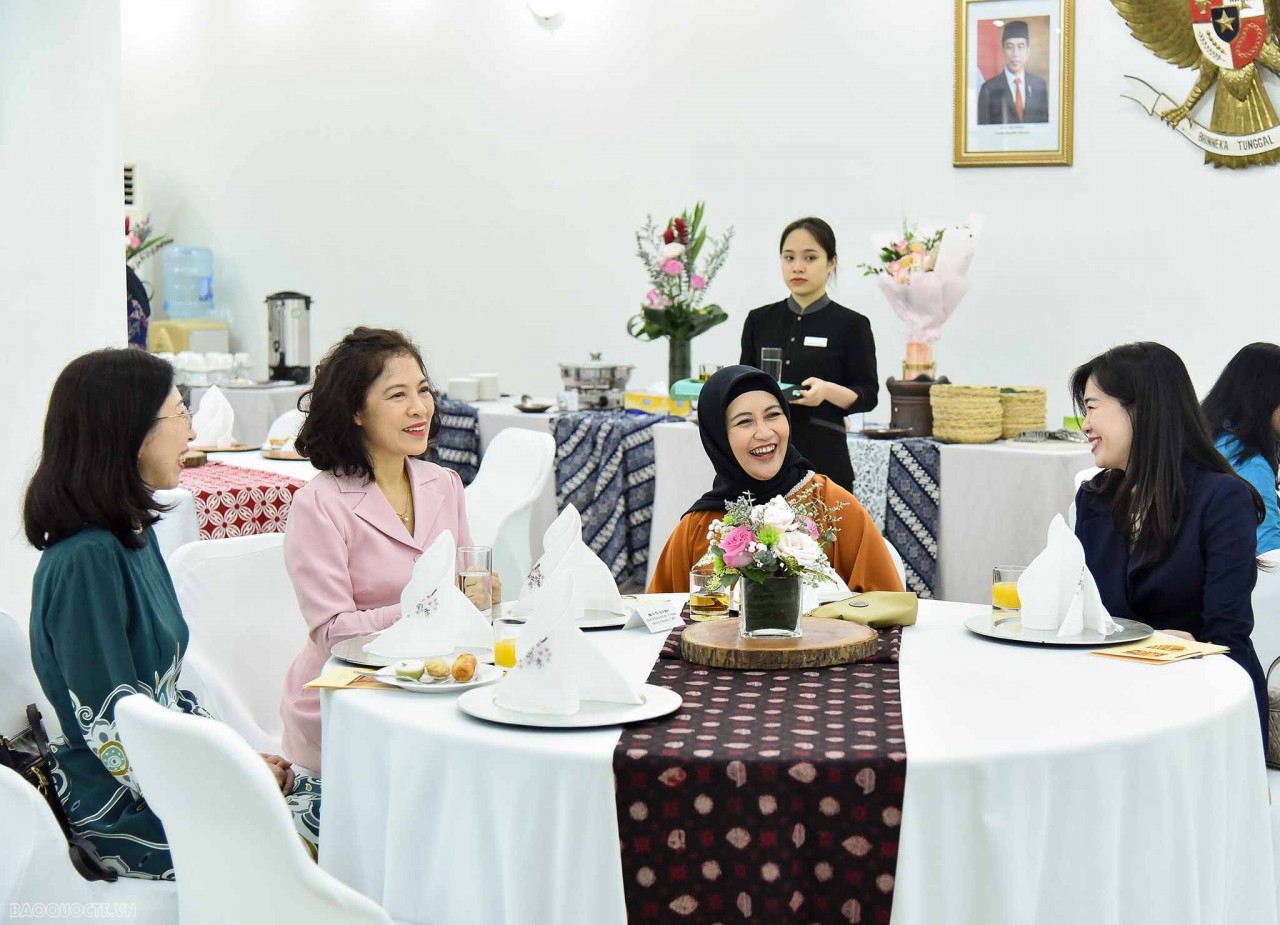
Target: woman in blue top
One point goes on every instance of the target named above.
(1243, 411)
(105, 621)
(1167, 527)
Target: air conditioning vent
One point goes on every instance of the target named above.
(129, 188)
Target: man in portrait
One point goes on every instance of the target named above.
(1014, 95)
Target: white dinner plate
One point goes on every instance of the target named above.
(352, 650)
(1010, 629)
(485, 674)
(591, 619)
(658, 701)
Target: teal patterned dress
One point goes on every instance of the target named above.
(105, 623)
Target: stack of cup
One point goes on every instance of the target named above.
(464, 389)
(488, 385)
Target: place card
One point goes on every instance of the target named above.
(1162, 650)
(658, 617)
(350, 679)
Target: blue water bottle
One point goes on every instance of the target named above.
(188, 281)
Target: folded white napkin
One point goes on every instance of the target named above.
(213, 420)
(435, 617)
(283, 431)
(563, 552)
(1057, 591)
(557, 667)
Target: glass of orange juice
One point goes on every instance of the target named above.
(1004, 591)
(505, 632)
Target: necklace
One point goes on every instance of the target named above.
(408, 511)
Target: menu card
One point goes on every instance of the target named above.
(1161, 650)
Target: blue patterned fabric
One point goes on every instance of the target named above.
(911, 519)
(870, 461)
(457, 446)
(604, 468)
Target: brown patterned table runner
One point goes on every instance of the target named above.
(771, 796)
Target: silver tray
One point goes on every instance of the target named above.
(1010, 629)
(352, 651)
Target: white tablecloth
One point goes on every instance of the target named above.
(997, 502)
(1043, 785)
(294, 468)
(255, 408)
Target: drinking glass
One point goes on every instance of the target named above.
(506, 630)
(475, 576)
(708, 595)
(771, 362)
(1004, 591)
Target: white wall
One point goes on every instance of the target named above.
(61, 260)
(463, 171)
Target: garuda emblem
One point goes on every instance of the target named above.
(1226, 41)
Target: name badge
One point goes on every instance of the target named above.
(815, 341)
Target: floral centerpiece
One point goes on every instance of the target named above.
(923, 273)
(776, 547)
(673, 306)
(139, 242)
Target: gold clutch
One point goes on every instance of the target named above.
(876, 609)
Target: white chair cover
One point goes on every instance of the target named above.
(246, 630)
(235, 851)
(177, 526)
(1080, 478)
(515, 471)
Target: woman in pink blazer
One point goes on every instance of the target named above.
(355, 530)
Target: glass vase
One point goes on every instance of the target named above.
(770, 608)
(679, 361)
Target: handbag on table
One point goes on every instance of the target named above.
(28, 754)
(876, 609)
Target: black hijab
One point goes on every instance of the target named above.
(732, 481)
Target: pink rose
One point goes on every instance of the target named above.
(672, 267)
(735, 545)
(656, 300)
(810, 527)
(698, 281)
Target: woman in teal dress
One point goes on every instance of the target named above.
(105, 620)
(1243, 411)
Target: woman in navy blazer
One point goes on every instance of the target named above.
(1168, 528)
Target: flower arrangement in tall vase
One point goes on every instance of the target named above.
(139, 244)
(673, 306)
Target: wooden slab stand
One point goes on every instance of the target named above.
(825, 642)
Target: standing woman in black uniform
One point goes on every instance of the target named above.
(827, 349)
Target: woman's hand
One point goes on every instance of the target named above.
(473, 588)
(282, 768)
(1180, 634)
(815, 394)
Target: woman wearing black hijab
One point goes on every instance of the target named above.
(745, 426)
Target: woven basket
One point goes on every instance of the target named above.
(1024, 409)
(966, 413)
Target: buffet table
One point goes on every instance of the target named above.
(1042, 785)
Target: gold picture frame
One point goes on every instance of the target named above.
(1001, 47)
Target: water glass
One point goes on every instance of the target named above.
(708, 595)
(1004, 591)
(475, 576)
(771, 362)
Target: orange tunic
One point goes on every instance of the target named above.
(859, 554)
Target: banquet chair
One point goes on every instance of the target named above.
(246, 630)
(235, 851)
(18, 683)
(897, 563)
(35, 869)
(1080, 478)
(514, 473)
(1266, 613)
(177, 526)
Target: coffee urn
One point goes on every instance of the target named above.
(289, 337)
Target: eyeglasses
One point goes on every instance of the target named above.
(184, 413)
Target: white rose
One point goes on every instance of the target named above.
(777, 514)
(799, 546)
(672, 251)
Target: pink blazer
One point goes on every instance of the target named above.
(349, 556)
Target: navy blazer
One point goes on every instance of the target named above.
(1204, 586)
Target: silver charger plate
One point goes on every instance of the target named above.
(657, 701)
(1010, 629)
(352, 650)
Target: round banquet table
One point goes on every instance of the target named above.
(1043, 785)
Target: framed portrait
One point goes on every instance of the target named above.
(1014, 65)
